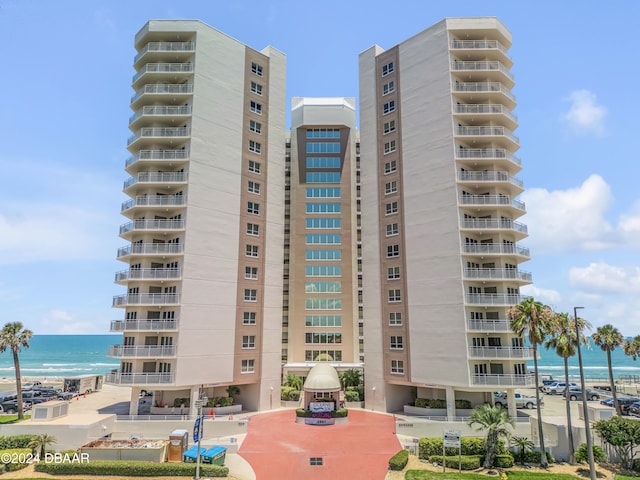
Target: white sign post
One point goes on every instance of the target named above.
(451, 440)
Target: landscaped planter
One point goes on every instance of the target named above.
(425, 412)
(354, 404)
(169, 411)
(290, 403)
(226, 410)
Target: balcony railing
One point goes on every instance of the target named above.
(156, 177)
(470, 131)
(117, 378)
(164, 88)
(152, 224)
(487, 153)
(146, 299)
(492, 224)
(482, 66)
(501, 352)
(496, 274)
(156, 351)
(148, 274)
(495, 249)
(158, 155)
(479, 44)
(491, 200)
(172, 111)
(483, 87)
(489, 176)
(159, 132)
(151, 249)
(165, 47)
(493, 298)
(154, 201)
(480, 325)
(163, 68)
(506, 380)
(143, 325)
(484, 108)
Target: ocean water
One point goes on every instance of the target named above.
(66, 355)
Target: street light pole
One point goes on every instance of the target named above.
(201, 401)
(585, 410)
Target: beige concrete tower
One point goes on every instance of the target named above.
(439, 209)
(204, 255)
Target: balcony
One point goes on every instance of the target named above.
(168, 157)
(141, 351)
(148, 274)
(497, 274)
(499, 224)
(485, 68)
(489, 133)
(477, 156)
(492, 201)
(504, 380)
(487, 111)
(156, 178)
(144, 325)
(501, 352)
(155, 134)
(163, 72)
(179, 92)
(155, 112)
(154, 201)
(492, 91)
(151, 249)
(478, 45)
(488, 177)
(497, 299)
(498, 326)
(483, 249)
(117, 378)
(146, 299)
(152, 224)
(175, 48)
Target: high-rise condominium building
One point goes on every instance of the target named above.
(254, 252)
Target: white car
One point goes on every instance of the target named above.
(522, 401)
(558, 387)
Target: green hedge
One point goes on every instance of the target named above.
(289, 394)
(399, 460)
(14, 465)
(178, 402)
(15, 441)
(132, 468)
(533, 456)
(220, 402)
(503, 461)
(469, 446)
(466, 462)
(340, 413)
(351, 396)
(301, 412)
(582, 454)
(359, 389)
(438, 403)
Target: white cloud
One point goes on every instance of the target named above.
(61, 322)
(585, 115)
(570, 220)
(629, 226)
(602, 278)
(546, 296)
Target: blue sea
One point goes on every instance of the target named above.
(66, 355)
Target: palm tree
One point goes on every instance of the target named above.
(495, 421)
(608, 338)
(39, 444)
(533, 319)
(351, 378)
(632, 347)
(524, 445)
(293, 381)
(13, 337)
(563, 340)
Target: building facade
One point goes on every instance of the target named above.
(254, 252)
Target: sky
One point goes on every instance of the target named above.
(66, 84)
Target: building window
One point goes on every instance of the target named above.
(253, 208)
(387, 69)
(323, 239)
(323, 223)
(248, 341)
(255, 147)
(323, 337)
(323, 162)
(323, 287)
(250, 295)
(393, 295)
(323, 304)
(254, 167)
(253, 229)
(323, 192)
(255, 127)
(255, 107)
(388, 107)
(323, 320)
(390, 147)
(323, 177)
(393, 251)
(253, 187)
(390, 167)
(323, 133)
(256, 69)
(252, 251)
(249, 318)
(388, 88)
(323, 355)
(392, 229)
(395, 319)
(391, 208)
(393, 273)
(323, 207)
(256, 88)
(396, 342)
(390, 187)
(323, 271)
(323, 255)
(389, 126)
(323, 147)
(397, 367)
(248, 366)
(251, 273)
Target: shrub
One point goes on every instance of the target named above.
(340, 413)
(437, 403)
(422, 402)
(533, 456)
(466, 462)
(351, 396)
(18, 458)
(359, 389)
(15, 441)
(582, 455)
(131, 468)
(503, 461)
(178, 402)
(285, 393)
(399, 460)
(463, 404)
(301, 412)
(220, 402)
(428, 447)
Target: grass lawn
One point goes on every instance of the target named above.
(4, 419)
(427, 475)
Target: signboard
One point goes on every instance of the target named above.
(452, 438)
(321, 407)
(320, 421)
(196, 430)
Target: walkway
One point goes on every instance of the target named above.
(277, 447)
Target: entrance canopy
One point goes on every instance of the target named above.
(322, 378)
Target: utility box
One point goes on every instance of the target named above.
(178, 444)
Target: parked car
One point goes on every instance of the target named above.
(49, 391)
(545, 380)
(31, 385)
(11, 406)
(558, 387)
(522, 401)
(624, 402)
(576, 394)
(634, 409)
(34, 396)
(66, 395)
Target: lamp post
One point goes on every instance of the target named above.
(585, 410)
(203, 400)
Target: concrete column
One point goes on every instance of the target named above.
(195, 396)
(511, 402)
(135, 399)
(451, 403)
